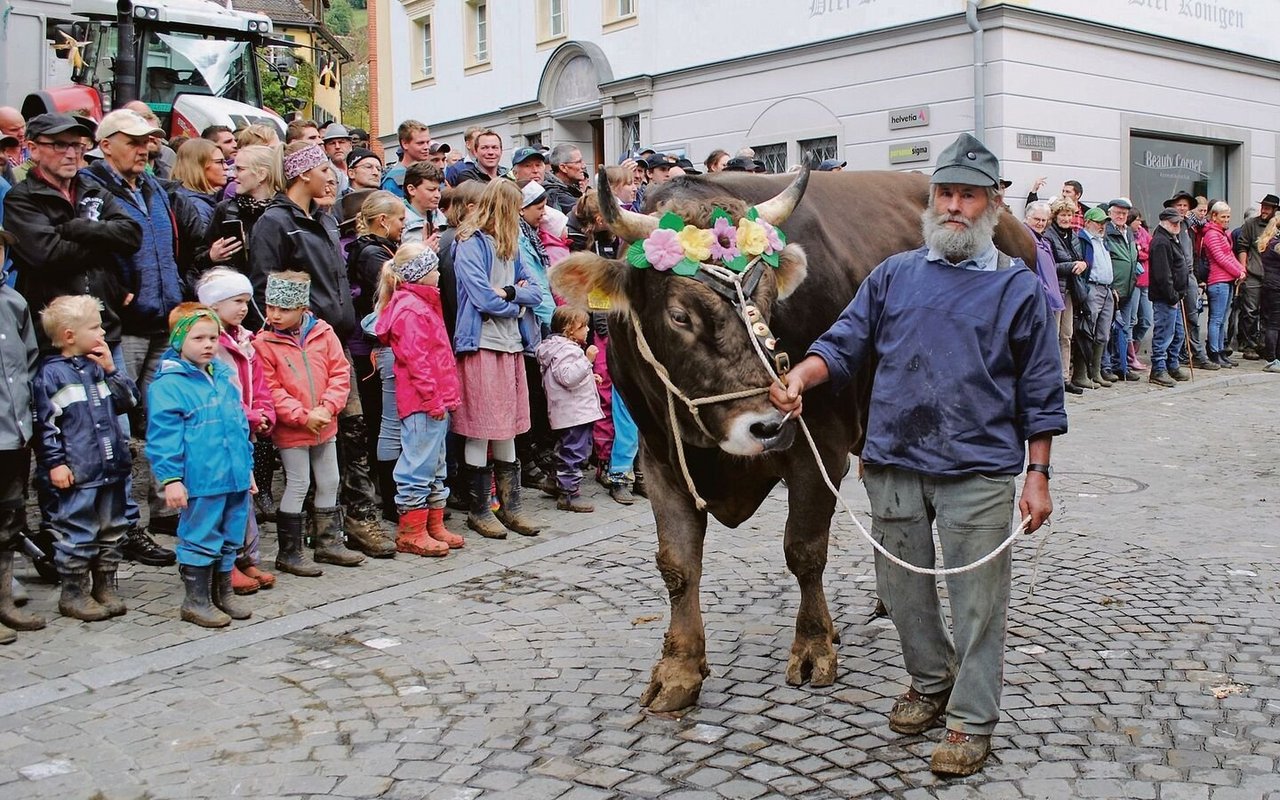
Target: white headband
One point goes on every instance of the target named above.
(224, 285)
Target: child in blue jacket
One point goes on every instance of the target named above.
(198, 443)
(83, 455)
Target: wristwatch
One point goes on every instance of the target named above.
(1043, 469)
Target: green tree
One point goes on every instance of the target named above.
(338, 17)
(280, 98)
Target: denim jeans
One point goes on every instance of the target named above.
(389, 429)
(88, 524)
(1219, 308)
(974, 514)
(1168, 338)
(421, 471)
(142, 359)
(1140, 316)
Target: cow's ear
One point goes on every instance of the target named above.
(793, 266)
(592, 282)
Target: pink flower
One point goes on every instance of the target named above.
(725, 245)
(663, 249)
(771, 236)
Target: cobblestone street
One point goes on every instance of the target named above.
(1143, 656)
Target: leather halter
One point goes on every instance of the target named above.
(721, 281)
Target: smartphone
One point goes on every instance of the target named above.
(231, 229)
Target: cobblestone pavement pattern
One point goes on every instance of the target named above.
(1145, 664)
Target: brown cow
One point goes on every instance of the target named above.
(848, 223)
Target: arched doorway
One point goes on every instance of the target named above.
(569, 93)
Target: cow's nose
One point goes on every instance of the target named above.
(765, 430)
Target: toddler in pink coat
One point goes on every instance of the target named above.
(572, 401)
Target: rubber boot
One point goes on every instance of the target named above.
(331, 541)
(197, 606)
(387, 489)
(480, 517)
(1080, 367)
(104, 591)
(264, 464)
(436, 530)
(10, 615)
(1095, 366)
(357, 493)
(1134, 361)
(292, 558)
(412, 536)
(510, 511)
(77, 599)
(224, 597)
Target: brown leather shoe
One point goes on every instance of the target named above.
(916, 713)
(960, 753)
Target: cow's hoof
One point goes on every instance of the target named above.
(813, 661)
(674, 685)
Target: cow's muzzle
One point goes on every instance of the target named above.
(758, 432)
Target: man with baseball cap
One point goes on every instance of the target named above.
(832, 165)
(967, 385)
(528, 164)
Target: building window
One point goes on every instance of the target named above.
(551, 24)
(814, 151)
(772, 156)
(477, 15)
(422, 48)
(533, 139)
(1163, 166)
(619, 14)
(629, 133)
(425, 67)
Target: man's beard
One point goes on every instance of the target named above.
(957, 246)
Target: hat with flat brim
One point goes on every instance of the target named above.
(968, 162)
(1270, 200)
(1188, 196)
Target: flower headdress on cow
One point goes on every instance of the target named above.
(682, 248)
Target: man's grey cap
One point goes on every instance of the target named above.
(967, 161)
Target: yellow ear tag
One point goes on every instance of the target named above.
(598, 300)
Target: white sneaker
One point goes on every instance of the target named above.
(1274, 366)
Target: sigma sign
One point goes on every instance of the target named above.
(909, 118)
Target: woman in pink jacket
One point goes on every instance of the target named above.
(572, 401)
(1224, 273)
(229, 293)
(411, 323)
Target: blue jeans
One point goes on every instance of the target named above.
(1168, 337)
(1116, 357)
(1140, 316)
(421, 470)
(1219, 309)
(131, 511)
(88, 524)
(211, 530)
(389, 430)
(626, 440)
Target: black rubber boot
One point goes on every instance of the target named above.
(357, 494)
(387, 488)
(331, 541)
(197, 606)
(224, 597)
(104, 590)
(510, 511)
(480, 517)
(77, 601)
(264, 468)
(10, 614)
(291, 557)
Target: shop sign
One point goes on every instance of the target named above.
(1037, 141)
(908, 152)
(909, 118)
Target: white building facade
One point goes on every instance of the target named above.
(1129, 97)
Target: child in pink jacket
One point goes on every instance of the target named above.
(411, 322)
(228, 293)
(572, 401)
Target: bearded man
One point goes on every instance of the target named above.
(967, 383)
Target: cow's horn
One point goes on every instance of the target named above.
(628, 225)
(776, 209)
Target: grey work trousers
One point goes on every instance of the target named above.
(974, 514)
(1193, 303)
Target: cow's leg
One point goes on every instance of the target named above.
(809, 506)
(677, 677)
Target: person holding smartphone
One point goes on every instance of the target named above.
(423, 219)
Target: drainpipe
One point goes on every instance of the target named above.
(979, 81)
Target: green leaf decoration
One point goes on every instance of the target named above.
(672, 222)
(752, 214)
(738, 263)
(771, 259)
(782, 237)
(719, 213)
(636, 256)
(687, 268)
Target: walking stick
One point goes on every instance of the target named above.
(1186, 335)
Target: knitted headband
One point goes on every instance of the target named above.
(307, 158)
(284, 293)
(418, 267)
(222, 285)
(183, 326)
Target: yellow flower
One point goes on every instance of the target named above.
(696, 243)
(752, 238)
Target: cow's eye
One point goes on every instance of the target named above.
(679, 316)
